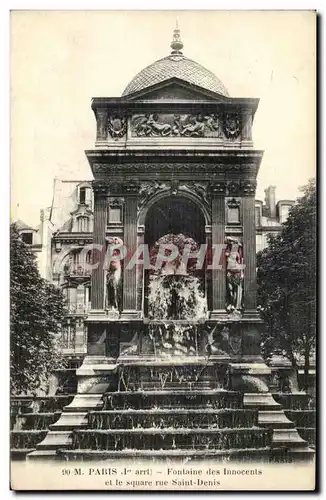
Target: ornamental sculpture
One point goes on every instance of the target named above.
(113, 275)
(117, 126)
(169, 125)
(234, 275)
(232, 125)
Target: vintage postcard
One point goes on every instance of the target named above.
(163, 260)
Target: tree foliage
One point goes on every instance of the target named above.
(36, 313)
(287, 283)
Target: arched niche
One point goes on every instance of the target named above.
(183, 193)
(174, 214)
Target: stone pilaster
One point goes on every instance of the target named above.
(208, 272)
(249, 249)
(101, 122)
(246, 129)
(100, 214)
(140, 272)
(218, 238)
(130, 241)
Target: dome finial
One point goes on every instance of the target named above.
(176, 44)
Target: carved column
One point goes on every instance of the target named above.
(249, 247)
(218, 238)
(130, 241)
(100, 211)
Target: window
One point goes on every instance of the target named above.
(83, 225)
(27, 238)
(70, 297)
(69, 335)
(82, 196)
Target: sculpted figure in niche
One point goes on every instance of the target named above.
(113, 275)
(234, 275)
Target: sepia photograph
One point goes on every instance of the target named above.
(163, 250)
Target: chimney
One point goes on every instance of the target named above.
(270, 201)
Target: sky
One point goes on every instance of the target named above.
(61, 59)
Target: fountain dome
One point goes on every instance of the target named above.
(176, 65)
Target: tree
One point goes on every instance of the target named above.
(36, 313)
(286, 281)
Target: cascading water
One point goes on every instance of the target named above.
(176, 302)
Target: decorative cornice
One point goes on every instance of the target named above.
(121, 156)
(167, 167)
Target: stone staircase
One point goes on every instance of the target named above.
(31, 419)
(160, 411)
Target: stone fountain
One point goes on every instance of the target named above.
(173, 364)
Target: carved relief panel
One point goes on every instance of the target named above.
(174, 125)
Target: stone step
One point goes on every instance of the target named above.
(274, 419)
(212, 398)
(85, 402)
(260, 400)
(54, 440)
(70, 421)
(167, 417)
(288, 438)
(170, 438)
(43, 455)
(20, 453)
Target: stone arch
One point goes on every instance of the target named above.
(166, 193)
